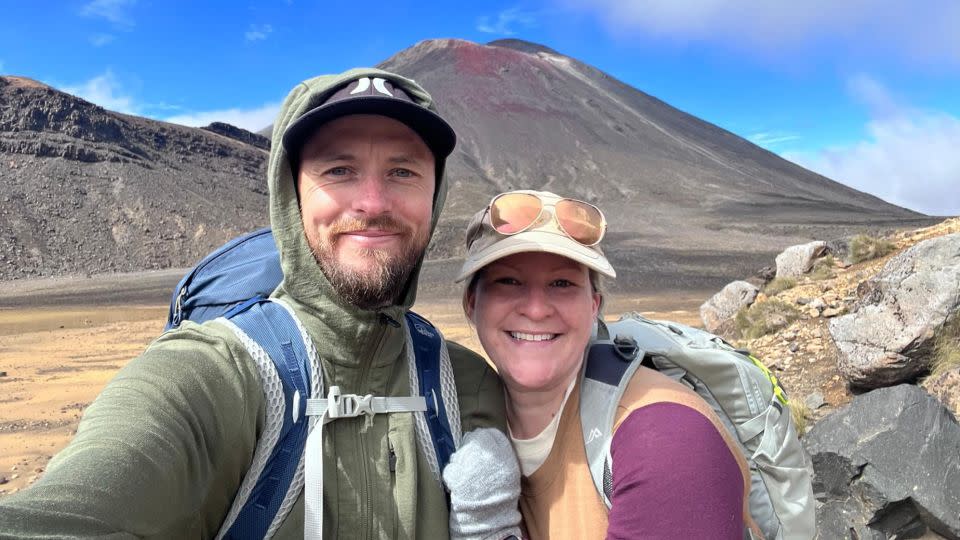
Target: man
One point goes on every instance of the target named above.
(356, 188)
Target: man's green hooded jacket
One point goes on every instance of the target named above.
(161, 452)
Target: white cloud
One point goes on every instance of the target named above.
(505, 22)
(917, 31)
(909, 158)
(105, 90)
(249, 119)
(258, 32)
(115, 11)
(99, 40)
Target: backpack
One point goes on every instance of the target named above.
(232, 285)
(746, 397)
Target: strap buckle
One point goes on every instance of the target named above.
(348, 405)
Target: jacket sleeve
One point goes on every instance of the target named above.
(673, 477)
(159, 453)
(478, 389)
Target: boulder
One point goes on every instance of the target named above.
(797, 260)
(718, 312)
(946, 388)
(887, 466)
(890, 332)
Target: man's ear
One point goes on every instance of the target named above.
(597, 300)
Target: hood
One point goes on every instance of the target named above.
(302, 278)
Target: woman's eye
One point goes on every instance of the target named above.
(338, 171)
(506, 281)
(563, 283)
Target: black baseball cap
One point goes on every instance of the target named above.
(374, 95)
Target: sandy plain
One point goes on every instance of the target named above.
(56, 356)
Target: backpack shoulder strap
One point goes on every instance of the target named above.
(606, 374)
(431, 376)
(289, 372)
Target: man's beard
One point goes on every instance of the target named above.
(383, 281)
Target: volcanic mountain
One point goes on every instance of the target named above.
(689, 204)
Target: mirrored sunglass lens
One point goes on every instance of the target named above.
(513, 212)
(581, 221)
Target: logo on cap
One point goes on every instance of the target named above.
(363, 84)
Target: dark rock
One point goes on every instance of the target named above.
(814, 401)
(887, 466)
(839, 248)
(889, 335)
(766, 274)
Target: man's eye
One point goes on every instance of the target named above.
(403, 173)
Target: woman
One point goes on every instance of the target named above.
(534, 264)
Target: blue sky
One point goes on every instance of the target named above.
(866, 92)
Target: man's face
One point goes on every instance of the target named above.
(366, 187)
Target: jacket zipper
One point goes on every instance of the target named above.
(392, 458)
(366, 524)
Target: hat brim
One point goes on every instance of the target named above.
(435, 131)
(537, 241)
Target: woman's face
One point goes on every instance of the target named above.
(534, 314)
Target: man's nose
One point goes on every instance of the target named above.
(372, 196)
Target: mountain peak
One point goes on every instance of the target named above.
(522, 46)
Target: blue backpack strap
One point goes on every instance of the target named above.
(426, 345)
(273, 328)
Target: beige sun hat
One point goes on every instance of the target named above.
(485, 244)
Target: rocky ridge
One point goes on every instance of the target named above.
(85, 190)
(885, 461)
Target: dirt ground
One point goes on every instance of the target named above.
(55, 360)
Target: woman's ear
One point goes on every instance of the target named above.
(469, 302)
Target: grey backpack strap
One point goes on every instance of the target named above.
(607, 371)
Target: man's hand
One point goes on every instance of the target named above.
(484, 482)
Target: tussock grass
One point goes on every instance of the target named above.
(778, 285)
(801, 414)
(946, 349)
(764, 318)
(865, 248)
(822, 269)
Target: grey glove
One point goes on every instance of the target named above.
(484, 482)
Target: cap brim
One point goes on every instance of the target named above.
(435, 131)
(537, 241)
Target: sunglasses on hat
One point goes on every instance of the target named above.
(516, 211)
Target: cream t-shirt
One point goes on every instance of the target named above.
(533, 452)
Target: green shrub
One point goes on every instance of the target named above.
(822, 269)
(946, 349)
(764, 318)
(778, 285)
(864, 248)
